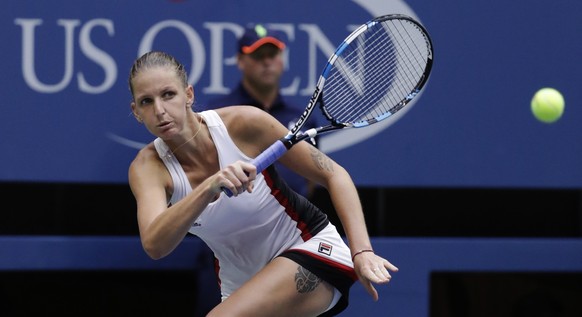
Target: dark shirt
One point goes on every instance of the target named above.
(283, 111)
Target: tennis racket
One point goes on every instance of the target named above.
(375, 72)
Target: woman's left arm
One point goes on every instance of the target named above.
(313, 164)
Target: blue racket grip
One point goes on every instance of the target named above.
(266, 158)
(269, 156)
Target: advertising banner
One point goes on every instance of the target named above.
(65, 98)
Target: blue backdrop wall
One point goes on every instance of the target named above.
(65, 101)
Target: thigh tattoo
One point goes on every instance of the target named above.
(306, 281)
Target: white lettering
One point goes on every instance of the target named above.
(316, 40)
(196, 45)
(217, 61)
(98, 56)
(317, 45)
(28, 54)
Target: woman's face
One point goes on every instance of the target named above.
(161, 101)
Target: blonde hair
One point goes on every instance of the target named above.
(157, 59)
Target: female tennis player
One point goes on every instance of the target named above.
(277, 254)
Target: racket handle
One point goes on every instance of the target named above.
(266, 158)
(269, 156)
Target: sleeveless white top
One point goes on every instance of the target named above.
(244, 232)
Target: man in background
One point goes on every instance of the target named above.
(261, 63)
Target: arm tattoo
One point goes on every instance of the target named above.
(306, 281)
(321, 160)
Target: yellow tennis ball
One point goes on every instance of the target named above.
(547, 105)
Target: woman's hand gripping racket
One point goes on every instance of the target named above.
(375, 72)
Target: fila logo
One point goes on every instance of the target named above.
(324, 248)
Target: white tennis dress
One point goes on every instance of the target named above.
(248, 231)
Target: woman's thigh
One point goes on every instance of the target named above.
(282, 288)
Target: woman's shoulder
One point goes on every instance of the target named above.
(145, 155)
(241, 119)
(240, 112)
(248, 124)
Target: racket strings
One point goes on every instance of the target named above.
(373, 76)
(346, 98)
(414, 55)
(388, 57)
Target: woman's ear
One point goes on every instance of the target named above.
(190, 95)
(137, 117)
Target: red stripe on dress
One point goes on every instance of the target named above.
(217, 271)
(289, 210)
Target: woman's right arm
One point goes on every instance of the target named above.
(163, 227)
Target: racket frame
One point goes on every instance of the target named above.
(294, 136)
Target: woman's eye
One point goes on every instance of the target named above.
(169, 94)
(145, 101)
